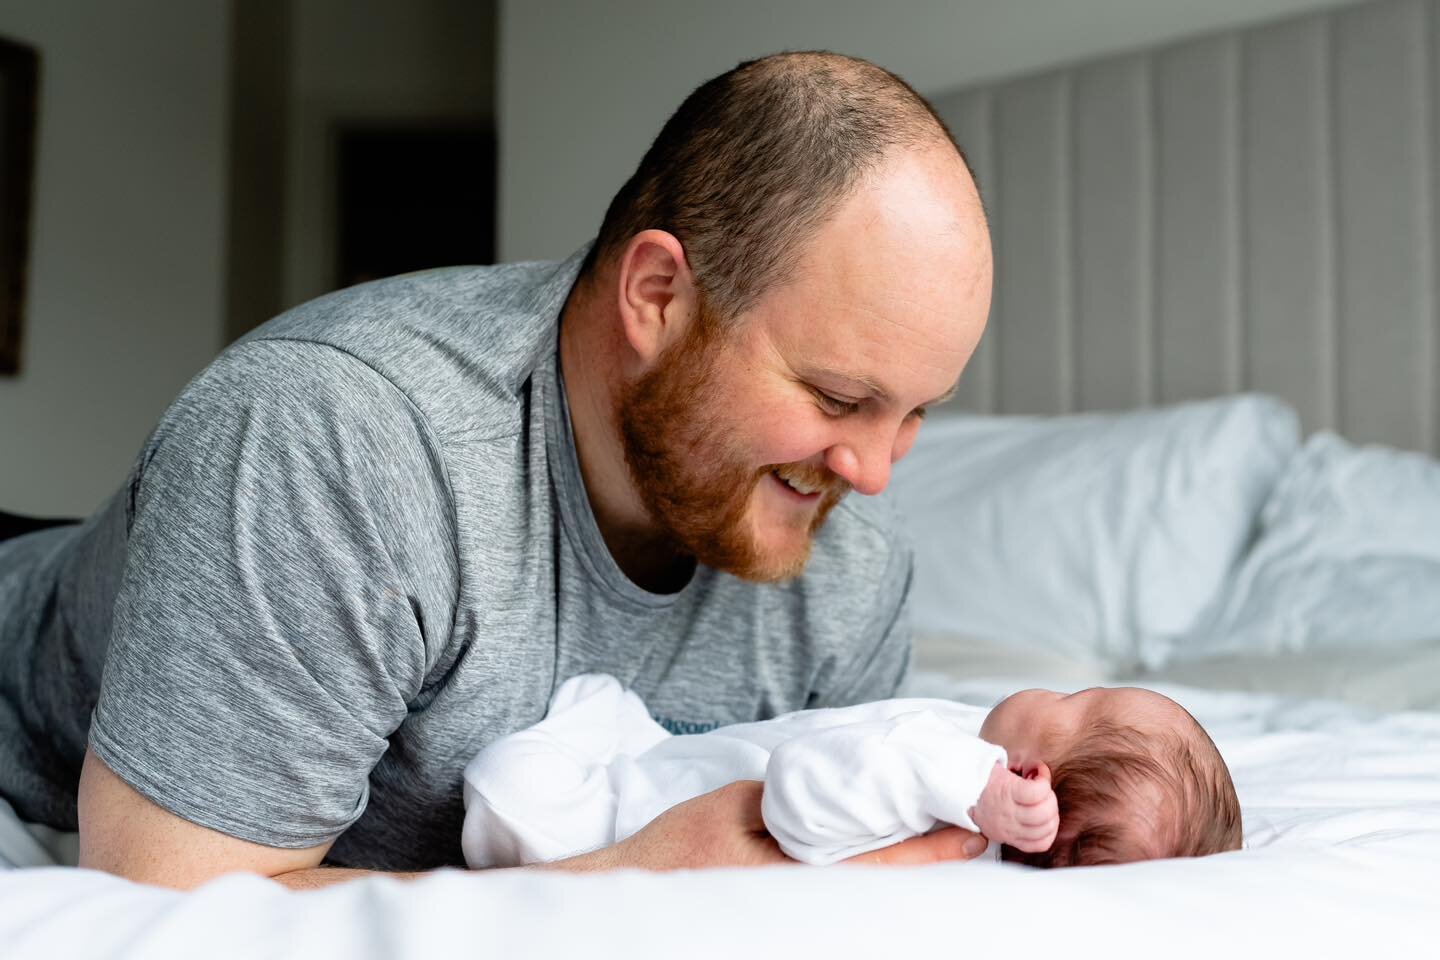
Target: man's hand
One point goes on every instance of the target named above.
(1020, 811)
(951, 843)
(724, 828)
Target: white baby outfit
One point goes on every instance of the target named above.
(838, 782)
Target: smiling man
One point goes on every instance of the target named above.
(379, 531)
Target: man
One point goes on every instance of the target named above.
(376, 533)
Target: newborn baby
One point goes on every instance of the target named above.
(1101, 776)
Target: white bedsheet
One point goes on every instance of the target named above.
(1343, 858)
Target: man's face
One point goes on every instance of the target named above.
(741, 442)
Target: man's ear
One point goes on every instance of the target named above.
(657, 295)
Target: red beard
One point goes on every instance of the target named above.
(692, 476)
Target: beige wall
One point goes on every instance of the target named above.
(584, 87)
(132, 244)
(127, 236)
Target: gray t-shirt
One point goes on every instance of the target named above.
(357, 549)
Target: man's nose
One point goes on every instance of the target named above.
(863, 461)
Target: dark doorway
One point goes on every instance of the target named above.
(414, 197)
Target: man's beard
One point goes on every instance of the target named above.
(690, 473)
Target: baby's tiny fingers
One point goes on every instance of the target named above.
(1035, 816)
(1031, 792)
(1035, 828)
(1032, 844)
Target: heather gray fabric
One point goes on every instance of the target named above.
(357, 549)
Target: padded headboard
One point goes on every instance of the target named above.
(1253, 210)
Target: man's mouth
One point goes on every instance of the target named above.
(797, 482)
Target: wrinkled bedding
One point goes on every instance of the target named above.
(1342, 808)
(1136, 542)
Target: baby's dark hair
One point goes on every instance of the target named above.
(1126, 794)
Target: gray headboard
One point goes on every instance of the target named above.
(1253, 210)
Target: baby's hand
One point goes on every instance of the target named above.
(1020, 811)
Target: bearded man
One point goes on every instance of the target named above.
(376, 533)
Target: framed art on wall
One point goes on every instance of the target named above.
(19, 72)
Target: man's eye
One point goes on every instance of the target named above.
(834, 405)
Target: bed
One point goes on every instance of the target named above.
(1342, 808)
(1248, 222)
(1083, 563)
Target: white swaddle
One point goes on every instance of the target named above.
(838, 782)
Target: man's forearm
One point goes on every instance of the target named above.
(719, 829)
(316, 877)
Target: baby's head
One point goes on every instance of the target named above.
(1136, 777)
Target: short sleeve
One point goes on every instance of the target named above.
(289, 573)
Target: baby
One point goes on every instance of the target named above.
(1100, 776)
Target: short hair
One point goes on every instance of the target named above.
(1127, 795)
(756, 159)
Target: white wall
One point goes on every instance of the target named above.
(127, 234)
(584, 87)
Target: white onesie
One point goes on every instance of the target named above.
(838, 782)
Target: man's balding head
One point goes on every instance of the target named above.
(799, 267)
(755, 160)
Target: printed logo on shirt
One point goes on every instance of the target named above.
(684, 727)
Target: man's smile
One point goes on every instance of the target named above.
(796, 490)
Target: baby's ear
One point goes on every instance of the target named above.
(1038, 772)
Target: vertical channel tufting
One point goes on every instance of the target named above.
(1254, 209)
(1235, 213)
(1286, 268)
(1032, 243)
(1194, 234)
(1112, 249)
(1327, 334)
(1146, 274)
(1429, 387)
(1378, 84)
(968, 115)
(1423, 226)
(1065, 226)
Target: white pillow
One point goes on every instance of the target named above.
(1400, 677)
(1099, 537)
(1348, 556)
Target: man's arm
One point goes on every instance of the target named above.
(289, 575)
(123, 833)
